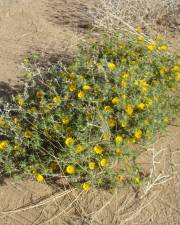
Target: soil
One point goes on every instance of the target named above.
(54, 28)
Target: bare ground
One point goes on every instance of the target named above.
(55, 27)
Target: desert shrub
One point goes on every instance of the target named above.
(85, 122)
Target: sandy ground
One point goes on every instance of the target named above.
(55, 27)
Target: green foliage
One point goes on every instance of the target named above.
(81, 122)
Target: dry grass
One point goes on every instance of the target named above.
(112, 15)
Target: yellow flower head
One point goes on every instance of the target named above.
(119, 139)
(153, 43)
(79, 148)
(65, 120)
(163, 48)
(162, 71)
(104, 162)
(72, 87)
(86, 186)
(123, 84)
(175, 69)
(123, 124)
(125, 75)
(141, 106)
(57, 99)
(28, 134)
(70, 169)
(81, 94)
(111, 66)
(120, 178)
(129, 110)
(39, 178)
(39, 94)
(138, 134)
(69, 141)
(131, 141)
(98, 149)
(115, 101)
(3, 144)
(165, 120)
(112, 122)
(177, 76)
(92, 165)
(107, 108)
(150, 47)
(86, 88)
(141, 38)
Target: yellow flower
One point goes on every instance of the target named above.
(153, 43)
(86, 186)
(98, 149)
(178, 55)
(39, 178)
(70, 169)
(92, 165)
(125, 75)
(111, 66)
(165, 120)
(115, 101)
(149, 102)
(69, 141)
(79, 148)
(39, 94)
(131, 141)
(72, 87)
(81, 94)
(107, 108)
(28, 134)
(65, 120)
(123, 124)
(138, 134)
(162, 48)
(86, 88)
(3, 144)
(20, 100)
(120, 178)
(141, 106)
(57, 99)
(177, 76)
(104, 162)
(150, 47)
(129, 110)
(136, 180)
(119, 139)
(112, 122)
(162, 71)
(141, 38)
(176, 69)
(123, 84)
